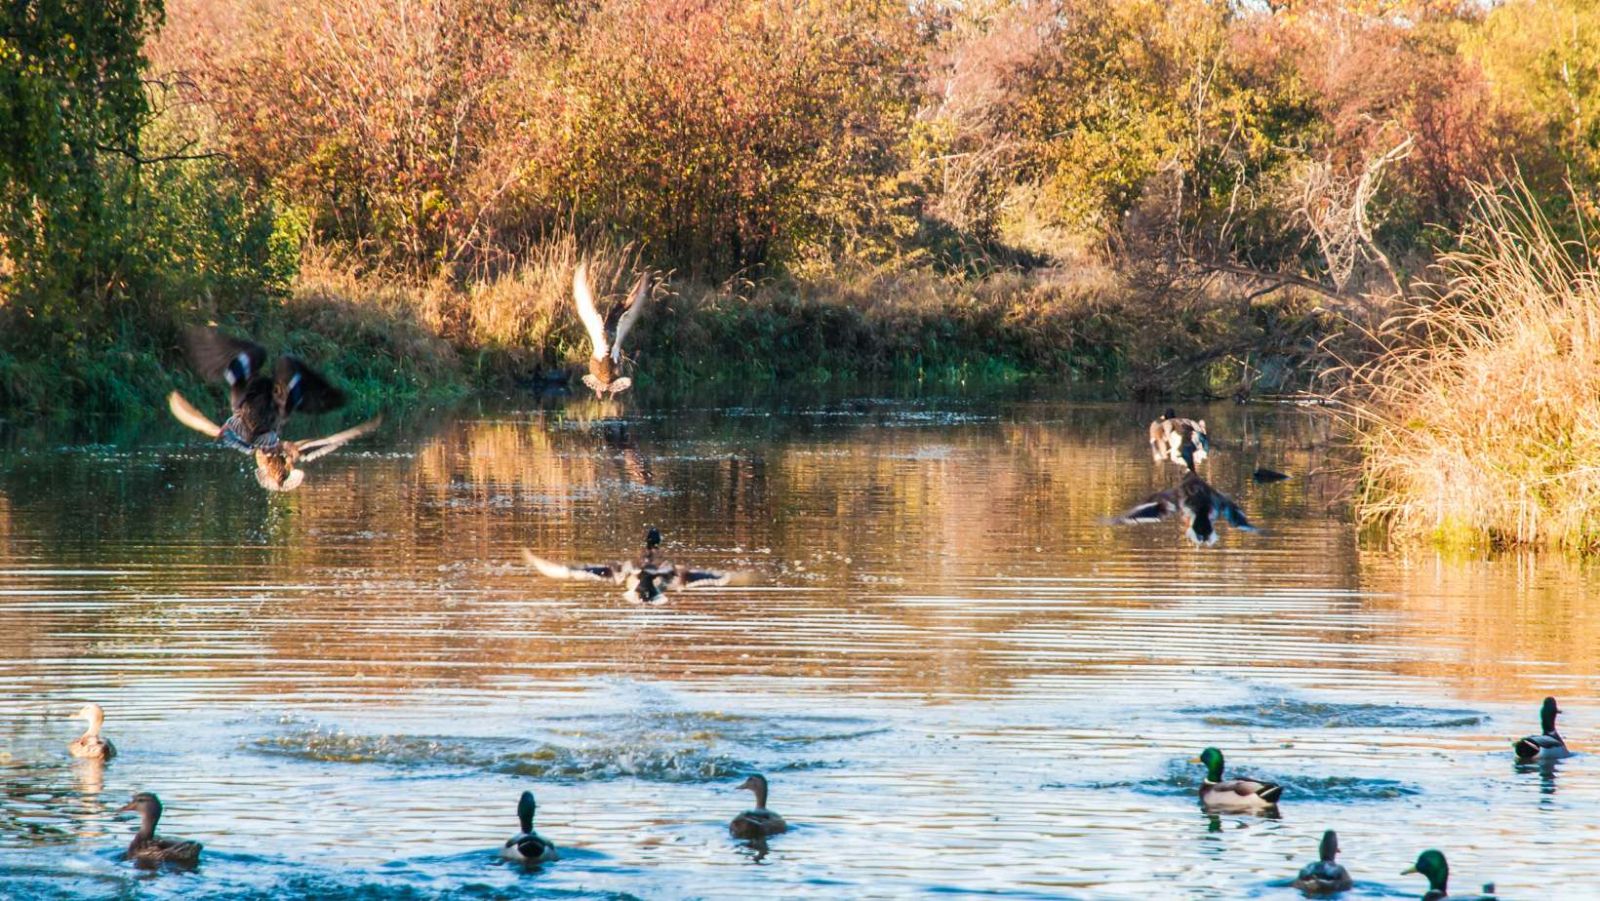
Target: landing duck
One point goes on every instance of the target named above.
(91, 745)
(527, 846)
(148, 848)
(1548, 744)
(260, 404)
(1237, 795)
(1432, 864)
(1201, 505)
(606, 335)
(1325, 877)
(646, 581)
(758, 822)
(1171, 435)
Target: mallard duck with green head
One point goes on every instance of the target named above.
(1548, 744)
(528, 846)
(1201, 506)
(1432, 864)
(260, 404)
(1236, 795)
(1326, 876)
(646, 581)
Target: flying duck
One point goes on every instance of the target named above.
(527, 846)
(1170, 434)
(260, 405)
(606, 335)
(646, 581)
(1548, 744)
(1432, 864)
(1324, 877)
(149, 849)
(1238, 795)
(758, 822)
(91, 744)
(1201, 505)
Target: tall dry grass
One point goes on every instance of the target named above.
(1480, 419)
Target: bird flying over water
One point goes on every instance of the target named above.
(606, 335)
(261, 403)
(646, 581)
(1201, 506)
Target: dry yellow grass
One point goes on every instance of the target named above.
(1480, 421)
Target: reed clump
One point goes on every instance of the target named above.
(1479, 420)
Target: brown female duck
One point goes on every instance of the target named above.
(1170, 434)
(758, 822)
(91, 745)
(606, 335)
(147, 847)
(260, 404)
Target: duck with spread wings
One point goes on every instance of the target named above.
(646, 581)
(606, 335)
(260, 403)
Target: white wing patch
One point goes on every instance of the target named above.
(636, 302)
(583, 295)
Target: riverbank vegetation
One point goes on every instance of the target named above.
(1169, 197)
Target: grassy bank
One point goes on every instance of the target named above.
(1480, 420)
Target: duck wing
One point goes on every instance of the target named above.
(186, 413)
(296, 386)
(1224, 508)
(1247, 788)
(596, 573)
(217, 356)
(1534, 745)
(624, 316)
(1154, 508)
(583, 296)
(320, 447)
(683, 577)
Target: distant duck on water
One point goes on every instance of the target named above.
(260, 404)
(91, 745)
(606, 335)
(1548, 744)
(528, 846)
(758, 822)
(1325, 876)
(149, 849)
(1179, 440)
(1236, 795)
(646, 581)
(1432, 864)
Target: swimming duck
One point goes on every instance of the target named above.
(1170, 434)
(606, 335)
(1432, 864)
(1201, 505)
(1238, 795)
(91, 744)
(1265, 476)
(759, 822)
(1548, 744)
(527, 846)
(1325, 876)
(261, 404)
(646, 581)
(146, 847)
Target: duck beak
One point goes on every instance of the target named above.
(1196, 760)
(1408, 871)
(125, 808)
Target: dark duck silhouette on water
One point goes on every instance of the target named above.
(150, 849)
(606, 335)
(528, 846)
(1326, 876)
(261, 403)
(1201, 506)
(1548, 744)
(645, 581)
(758, 822)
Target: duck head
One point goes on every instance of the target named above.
(525, 809)
(1212, 759)
(1330, 846)
(146, 804)
(92, 714)
(1431, 864)
(756, 783)
(1547, 715)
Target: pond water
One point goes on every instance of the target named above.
(958, 679)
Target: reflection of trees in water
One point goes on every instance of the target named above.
(880, 540)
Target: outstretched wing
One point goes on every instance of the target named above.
(185, 413)
(1154, 508)
(296, 386)
(629, 314)
(573, 573)
(583, 295)
(1227, 510)
(701, 578)
(217, 356)
(320, 447)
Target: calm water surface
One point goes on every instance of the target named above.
(958, 680)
